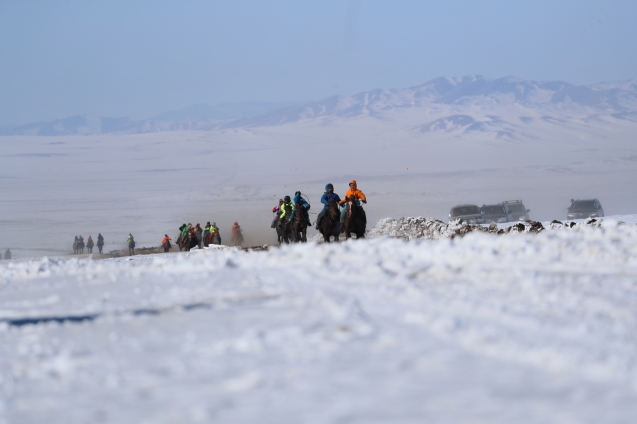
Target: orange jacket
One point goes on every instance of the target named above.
(165, 239)
(355, 193)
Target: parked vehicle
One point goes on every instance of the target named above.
(588, 208)
(516, 211)
(466, 213)
(494, 213)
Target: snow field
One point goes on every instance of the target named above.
(526, 328)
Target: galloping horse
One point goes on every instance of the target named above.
(188, 242)
(76, 245)
(355, 219)
(89, 246)
(286, 225)
(299, 226)
(166, 245)
(131, 247)
(80, 246)
(330, 224)
(100, 244)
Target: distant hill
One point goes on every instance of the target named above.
(505, 107)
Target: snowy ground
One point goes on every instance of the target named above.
(522, 328)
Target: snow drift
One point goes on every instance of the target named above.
(526, 328)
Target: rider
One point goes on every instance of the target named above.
(276, 211)
(304, 205)
(286, 202)
(184, 230)
(80, 239)
(356, 194)
(100, 238)
(325, 199)
(129, 239)
(90, 240)
(165, 239)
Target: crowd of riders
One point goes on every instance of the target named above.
(285, 204)
(79, 244)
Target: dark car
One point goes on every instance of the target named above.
(516, 211)
(494, 213)
(466, 213)
(581, 209)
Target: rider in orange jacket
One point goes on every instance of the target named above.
(356, 194)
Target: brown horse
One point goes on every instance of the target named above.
(355, 219)
(299, 226)
(89, 245)
(286, 225)
(188, 242)
(166, 245)
(100, 244)
(131, 247)
(330, 224)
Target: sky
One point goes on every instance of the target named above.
(137, 58)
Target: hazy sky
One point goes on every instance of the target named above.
(138, 58)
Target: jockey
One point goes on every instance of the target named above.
(235, 228)
(325, 199)
(80, 239)
(165, 240)
(276, 211)
(277, 208)
(304, 205)
(184, 230)
(130, 238)
(90, 239)
(356, 194)
(286, 202)
(100, 238)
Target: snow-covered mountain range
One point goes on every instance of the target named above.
(506, 107)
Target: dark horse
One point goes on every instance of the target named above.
(78, 246)
(100, 244)
(89, 246)
(131, 247)
(188, 242)
(299, 226)
(330, 224)
(286, 225)
(166, 246)
(355, 219)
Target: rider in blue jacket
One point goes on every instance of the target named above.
(325, 199)
(297, 200)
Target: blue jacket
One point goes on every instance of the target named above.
(325, 199)
(298, 200)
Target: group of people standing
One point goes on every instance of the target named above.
(329, 195)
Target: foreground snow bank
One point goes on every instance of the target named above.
(434, 229)
(524, 328)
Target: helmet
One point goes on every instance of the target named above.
(286, 198)
(329, 186)
(298, 193)
(235, 223)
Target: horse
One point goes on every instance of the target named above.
(131, 247)
(89, 246)
(279, 233)
(299, 225)
(286, 225)
(76, 244)
(188, 242)
(166, 246)
(80, 246)
(100, 244)
(237, 238)
(330, 224)
(355, 219)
